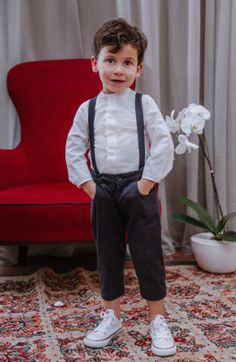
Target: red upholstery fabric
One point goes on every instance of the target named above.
(49, 212)
(37, 203)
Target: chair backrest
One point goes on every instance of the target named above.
(46, 95)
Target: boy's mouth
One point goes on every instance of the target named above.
(117, 80)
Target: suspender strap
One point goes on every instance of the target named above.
(91, 116)
(140, 128)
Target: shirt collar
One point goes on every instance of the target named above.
(124, 94)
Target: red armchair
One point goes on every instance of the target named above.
(37, 202)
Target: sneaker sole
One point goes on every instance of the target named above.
(102, 343)
(162, 352)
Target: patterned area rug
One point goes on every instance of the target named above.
(200, 309)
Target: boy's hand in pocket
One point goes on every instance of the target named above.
(145, 186)
(90, 188)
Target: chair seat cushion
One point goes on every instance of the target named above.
(53, 212)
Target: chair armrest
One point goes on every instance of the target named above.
(14, 169)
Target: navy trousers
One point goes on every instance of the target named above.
(119, 208)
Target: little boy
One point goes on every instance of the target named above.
(131, 151)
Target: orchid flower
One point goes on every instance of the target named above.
(192, 123)
(173, 124)
(185, 145)
(198, 110)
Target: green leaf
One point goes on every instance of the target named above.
(224, 221)
(229, 236)
(189, 220)
(203, 214)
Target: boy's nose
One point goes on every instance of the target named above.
(118, 69)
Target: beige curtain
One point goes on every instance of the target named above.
(219, 82)
(190, 58)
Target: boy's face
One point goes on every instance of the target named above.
(117, 71)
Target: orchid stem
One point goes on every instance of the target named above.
(205, 150)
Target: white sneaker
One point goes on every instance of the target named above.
(163, 343)
(103, 334)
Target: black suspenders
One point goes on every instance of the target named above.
(140, 128)
(91, 116)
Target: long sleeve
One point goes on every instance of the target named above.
(161, 149)
(76, 146)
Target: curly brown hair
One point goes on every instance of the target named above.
(116, 33)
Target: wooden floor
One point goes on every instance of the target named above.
(85, 260)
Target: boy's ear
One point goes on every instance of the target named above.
(139, 69)
(94, 64)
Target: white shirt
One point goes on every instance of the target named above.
(116, 139)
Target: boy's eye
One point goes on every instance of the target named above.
(128, 62)
(110, 60)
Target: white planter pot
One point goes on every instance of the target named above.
(212, 255)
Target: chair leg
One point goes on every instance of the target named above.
(22, 254)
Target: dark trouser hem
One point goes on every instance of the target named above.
(109, 299)
(153, 299)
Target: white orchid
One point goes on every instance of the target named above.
(193, 120)
(173, 124)
(190, 120)
(192, 123)
(185, 145)
(198, 110)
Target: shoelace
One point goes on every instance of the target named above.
(104, 325)
(159, 327)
